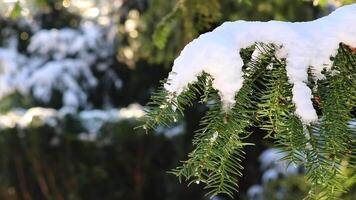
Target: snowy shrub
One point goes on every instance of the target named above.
(90, 121)
(274, 169)
(64, 62)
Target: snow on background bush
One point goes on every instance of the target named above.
(65, 61)
(273, 168)
(69, 64)
(90, 120)
(61, 60)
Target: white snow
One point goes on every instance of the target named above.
(303, 45)
(171, 131)
(93, 120)
(269, 175)
(25, 118)
(352, 123)
(272, 161)
(132, 111)
(273, 168)
(269, 157)
(90, 120)
(10, 61)
(255, 192)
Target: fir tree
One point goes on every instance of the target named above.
(267, 98)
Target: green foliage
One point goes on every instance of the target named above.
(324, 148)
(179, 21)
(165, 28)
(16, 11)
(15, 100)
(332, 139)
(215, 160)
(276, 112)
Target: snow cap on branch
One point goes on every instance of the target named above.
(303, 44)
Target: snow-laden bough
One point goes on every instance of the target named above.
(304, 45)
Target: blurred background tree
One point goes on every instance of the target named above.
(73, 74)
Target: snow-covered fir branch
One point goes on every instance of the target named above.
(296, 81)
(304, 45)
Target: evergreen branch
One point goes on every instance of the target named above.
(162, 108)
(267, 98)
(331, 140)
(320, 149)
(276, 113)
(218, 145)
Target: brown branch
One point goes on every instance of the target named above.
(352, 48)
(41, 180)
(52, 182)
(22, 180)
